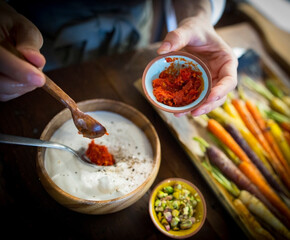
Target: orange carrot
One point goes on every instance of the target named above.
(252, 126)
(217, 129)
(285, 126)
(268, 192)
(287, 136)
(284, 172)
(247, 167)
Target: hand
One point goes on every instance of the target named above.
(17, 76)
(197, 36)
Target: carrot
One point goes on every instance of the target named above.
(223, 117)
(250, 201)
(278, 117)
(284, 170)
(285, 126)
(287, 137)
(271, 178)
(274, 89)
(250, 222)
(230, 109)
(230, 170)
(260, 210)
(278, 135)
(227, 184)
(275, 102)
(247, 167)
(268, 192)
(277, 92)
(218, 130)
(252, 126)
(254, 111)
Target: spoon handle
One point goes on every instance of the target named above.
(54, 90)
(10, 139)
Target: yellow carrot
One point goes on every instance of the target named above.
(250, 221)
(230, 109)
(279, 137)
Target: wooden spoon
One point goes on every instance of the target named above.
(86, 125)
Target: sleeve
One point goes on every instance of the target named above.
(218, 7)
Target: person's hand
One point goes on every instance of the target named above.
(196, 35)
(17, 76)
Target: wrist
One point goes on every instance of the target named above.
(193, 8)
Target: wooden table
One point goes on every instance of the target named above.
(26, 208)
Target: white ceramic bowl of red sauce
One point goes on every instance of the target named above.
(177, 60)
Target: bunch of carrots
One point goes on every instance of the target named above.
(226, 173)
(257, 157)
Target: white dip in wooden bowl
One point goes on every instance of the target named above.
(126, 142)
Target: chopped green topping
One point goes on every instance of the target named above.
(168, 189)
(176, 206)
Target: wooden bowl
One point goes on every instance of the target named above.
(200, 209)
(103, 206)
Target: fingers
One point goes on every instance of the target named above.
(28, 41)
(175, 40)
(226, 81)
(33, 56)
(20, 70)
(204, 109)
(208, 107)
(10, 89)
(17, 76)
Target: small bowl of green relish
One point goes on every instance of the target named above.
(177, 208)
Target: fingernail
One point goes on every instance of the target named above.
(164, 48)
(35, 79)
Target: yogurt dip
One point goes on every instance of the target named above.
(131, 149)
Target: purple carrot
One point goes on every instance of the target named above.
(255, 159)
(230, 170)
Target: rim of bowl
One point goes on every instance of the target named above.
(41, 152)
(182, 54)
(151, 209)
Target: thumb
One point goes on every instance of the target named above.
(175, 40)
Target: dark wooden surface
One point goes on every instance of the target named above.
(28, 211)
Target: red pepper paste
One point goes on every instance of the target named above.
(178, 87)
(99, 155)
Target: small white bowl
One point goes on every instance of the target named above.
(159, 64)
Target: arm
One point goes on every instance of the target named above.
(195, 34)
(18, 77)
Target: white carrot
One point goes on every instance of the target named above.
(260, 210)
